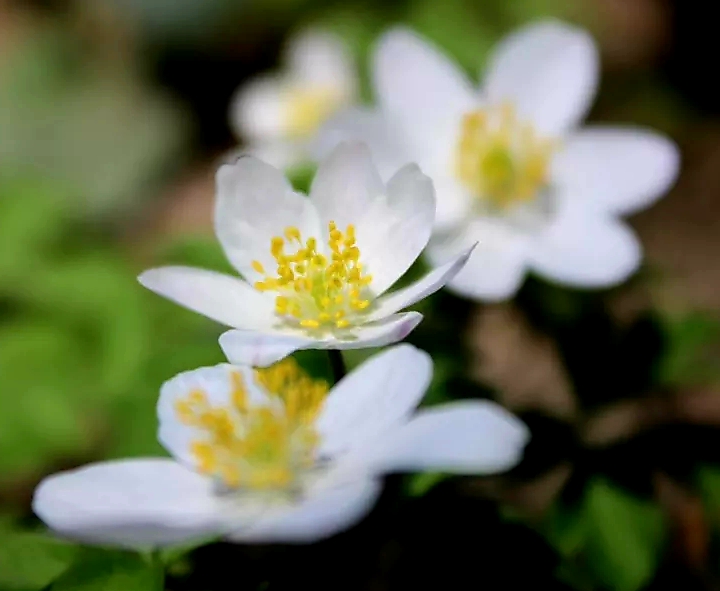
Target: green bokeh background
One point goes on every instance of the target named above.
(108, 110)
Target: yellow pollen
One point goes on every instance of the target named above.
(500, 159)
(308, 108)
(318, 290)
(256, 446)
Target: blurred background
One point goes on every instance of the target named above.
(113, 119)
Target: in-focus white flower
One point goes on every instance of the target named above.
(315, 268)
(511, 169)
(270, 456)
(276, 114)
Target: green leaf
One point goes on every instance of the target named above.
(459, 27)
(419, 484)
(32, 217)
(197, 251)
(108, 571)
(625, 536)
(566, 529)
(172, 555)
(708, 478)
(693, 345)
(30, 561)
(42, 414)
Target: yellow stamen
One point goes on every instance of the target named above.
(308, 108)
(246, 445)
(316, 291)
(500, 159)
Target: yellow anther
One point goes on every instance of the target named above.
(292, 233)
(342, 323)
(249, 445)
(313, 286)
(276, 245)
(257, 265)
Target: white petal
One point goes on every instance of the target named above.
(396, 229)
(586, 249)
(549, 71)
(379, 394)
(380, 333)
(328, 508)
(255, 202)
(345, 185)
(618, 170)
(131, 503)
(320, 516)
(453, 203)
(217, 383)
(423, 90)
(225, 299)
(372, 128)
(316, 57)
(497, 266)
(422, 288)
(459, 437)
(257, 110)
(260, 349)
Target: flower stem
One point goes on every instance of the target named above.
(338, 364)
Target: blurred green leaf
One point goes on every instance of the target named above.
(419, 484)
(625, 536)
(94, 126)
(457, 26)
(30, 561)
(567, 530)
(198, 251)
(610, 537)
(708, 479)
(32, 217)
(693, 348)
(42, 413)
(108, 571)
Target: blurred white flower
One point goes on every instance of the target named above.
(270, 456)
(510, 167)
(276, 114)
(315, 268)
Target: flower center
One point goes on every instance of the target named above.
(315, 291)
(500, 159)
(261, 447)
(308, 108)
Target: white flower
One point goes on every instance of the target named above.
(276, 114)
(511, 169)
(270, 456)
(315, 268)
